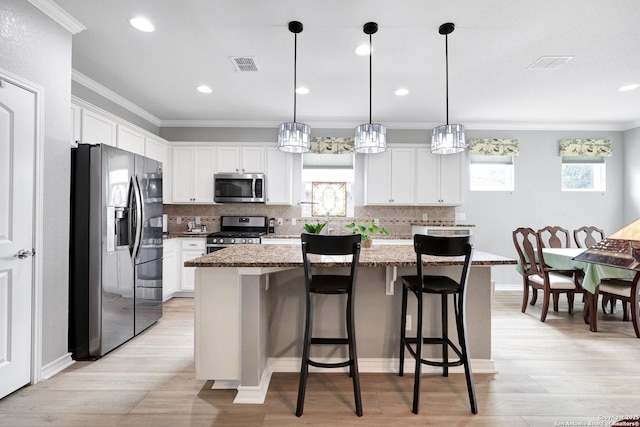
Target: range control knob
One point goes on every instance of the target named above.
(232, 240)
(244, 240)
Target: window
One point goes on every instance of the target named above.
(327, 183)
(583, 173)
(491, 173)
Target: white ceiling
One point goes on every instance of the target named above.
(494, 43)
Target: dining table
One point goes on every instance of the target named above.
(592, 275)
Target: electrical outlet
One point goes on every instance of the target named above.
(460, 216)
(408, 325)
(425, 217)
(179, 220)
(197, 220)
(293, 221)
(376, 221)
(279, 221)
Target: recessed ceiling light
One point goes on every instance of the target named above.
(401, 92)
(302, 90)
(142, 24)
(629, 87)
(363, 50)
(204, 89)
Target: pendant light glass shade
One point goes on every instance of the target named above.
(449, 138)
(294, 137)
(370, 137)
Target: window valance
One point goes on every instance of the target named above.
(494, 147)
(331, 145)
(585, 147)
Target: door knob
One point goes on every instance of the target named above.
(24, 253)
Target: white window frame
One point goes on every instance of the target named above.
(505, 164)
(599, 172)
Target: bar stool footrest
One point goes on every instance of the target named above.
(435, 340)
(330, 365)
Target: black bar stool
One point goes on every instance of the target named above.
(443, 286)
(333, 285)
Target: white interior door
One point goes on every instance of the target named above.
(17, 151)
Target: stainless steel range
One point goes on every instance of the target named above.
(235, 230)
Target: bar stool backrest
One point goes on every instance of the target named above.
(447, 246)
(321, 244)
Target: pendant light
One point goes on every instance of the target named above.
(449, 138)
(294, 137)
(370, 137)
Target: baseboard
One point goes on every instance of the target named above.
(380, 365)
(58, 365)
(255, 394)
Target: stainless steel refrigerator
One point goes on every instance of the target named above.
(115, 272)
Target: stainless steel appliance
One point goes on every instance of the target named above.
(237, 230)
(239, 188)
(115, 274)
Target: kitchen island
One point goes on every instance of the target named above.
(249, 312)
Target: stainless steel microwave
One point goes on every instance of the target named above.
(238, 188)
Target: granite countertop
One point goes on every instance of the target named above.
(374, 237)
(291, 256)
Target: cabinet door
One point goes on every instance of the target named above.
(203, 168)
(130, 140)
(76, 128)
(427, 177)
(378, 179)
(252, 160)
(278, 177)
(97, 129)
(169, 268)
(155, 150)
(403, 175)
(228, 160)
(182, 175)
(191, 249)
(451, 178)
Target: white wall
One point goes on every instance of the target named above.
(537, 200)
(37, 49)
(631, 175)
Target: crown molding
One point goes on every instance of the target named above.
(85, 81)
(58, 14)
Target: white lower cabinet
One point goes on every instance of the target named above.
(170, 277)
(191, 248)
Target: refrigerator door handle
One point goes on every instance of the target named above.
(135, 220)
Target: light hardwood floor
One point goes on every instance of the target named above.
(548, 373)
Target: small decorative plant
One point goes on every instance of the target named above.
(366, 229)
(314, 228)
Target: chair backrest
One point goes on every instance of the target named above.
(527, 242)
(554, 237)
(320, 244)
(587, 236)
(444, 246)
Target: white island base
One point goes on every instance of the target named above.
(249, 321)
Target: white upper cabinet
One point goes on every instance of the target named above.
(192, 172)
(241, 160)
(156, 150)
(390, 177)
(278, 177)
(439, 178)
(130, 140)
(98, 129)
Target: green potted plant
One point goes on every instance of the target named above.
(365, 230)
(314, 228)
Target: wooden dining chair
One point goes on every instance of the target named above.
(553, 236)
(536, 275)
(624, 290)
(587, 236)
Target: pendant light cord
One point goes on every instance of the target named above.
(295, 70)
(370, 76)
(446, 56)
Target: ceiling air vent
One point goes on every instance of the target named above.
(244, 64)
(549, 62)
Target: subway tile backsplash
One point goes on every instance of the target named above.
(396, 219)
